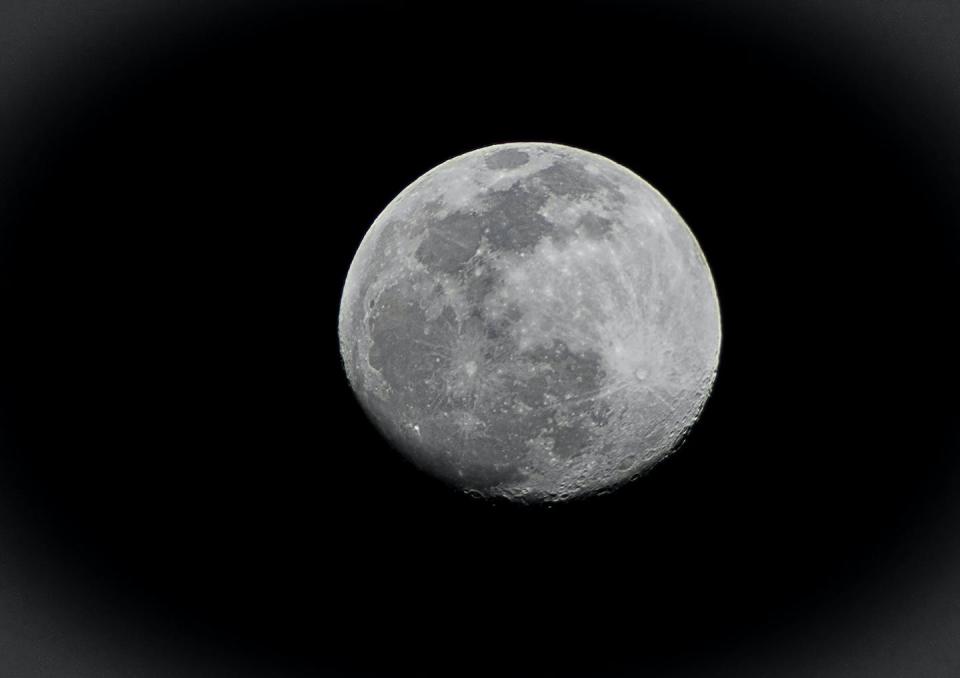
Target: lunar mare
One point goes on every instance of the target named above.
(531, 321)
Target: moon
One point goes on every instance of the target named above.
(531, 322)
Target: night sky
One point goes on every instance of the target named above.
(187, 485)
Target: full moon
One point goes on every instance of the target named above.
(531, 322)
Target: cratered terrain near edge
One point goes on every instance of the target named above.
(531, 321)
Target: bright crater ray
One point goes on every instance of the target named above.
(531, 321)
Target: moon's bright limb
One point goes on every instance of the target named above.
(531, 321)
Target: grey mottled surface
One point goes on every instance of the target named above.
(531, 321)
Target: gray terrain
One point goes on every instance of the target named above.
(532, 322)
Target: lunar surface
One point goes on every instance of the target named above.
(531, 322)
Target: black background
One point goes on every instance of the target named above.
(181, 199)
